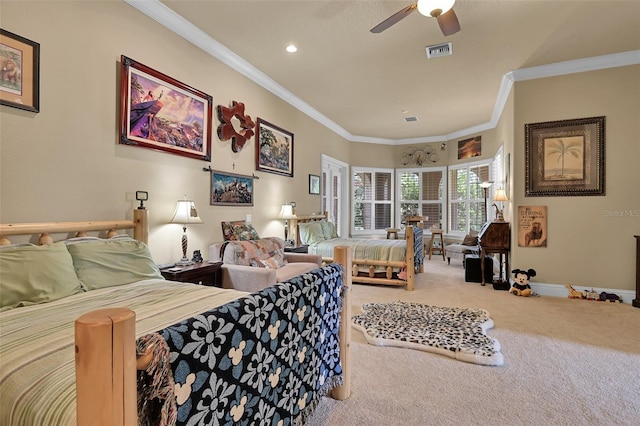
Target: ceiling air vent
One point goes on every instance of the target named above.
(410, 119)
(437, 50)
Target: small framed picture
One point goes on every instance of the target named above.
(314, 184)
(20, 72)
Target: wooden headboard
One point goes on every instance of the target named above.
(139, 224)
(293, 224)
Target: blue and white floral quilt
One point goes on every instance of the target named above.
(266, 358)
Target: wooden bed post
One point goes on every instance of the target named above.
(106, 390)
(410, 258)
(342, 255)
(141, 228)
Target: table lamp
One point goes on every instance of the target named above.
(286, 213)
(185, 213)
(501, 197)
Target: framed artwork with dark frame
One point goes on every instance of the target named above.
(231, 189)
(274, 149)
(565, 158)
(159, 112)
(19, 72)
(314, 184)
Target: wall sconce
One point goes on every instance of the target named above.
(287, 213)
(501, 197)
(184, 214)
(142, 196)
(443, 146)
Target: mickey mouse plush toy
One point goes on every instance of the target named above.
(520, 286)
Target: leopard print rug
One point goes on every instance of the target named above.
(455, 332)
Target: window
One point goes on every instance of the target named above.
(372, 200)
(422, 192)
(466, 198)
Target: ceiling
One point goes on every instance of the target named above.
(364, 85)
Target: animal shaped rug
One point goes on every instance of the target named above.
(455, 332)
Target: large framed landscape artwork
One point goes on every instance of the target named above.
(159, 112)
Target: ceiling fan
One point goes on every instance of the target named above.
(439, 9)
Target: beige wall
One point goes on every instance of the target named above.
(64, 163)
(589, 243)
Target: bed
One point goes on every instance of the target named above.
(203, 355)
(374, 261)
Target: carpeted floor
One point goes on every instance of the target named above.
(567, 362)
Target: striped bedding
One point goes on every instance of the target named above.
(386, 250)
(37, 361)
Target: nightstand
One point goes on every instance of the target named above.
(205, 273)
(298, 249)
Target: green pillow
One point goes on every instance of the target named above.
(329, 230)
(36, 274)
(108, 263)
(311, 233)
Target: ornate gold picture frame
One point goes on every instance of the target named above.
(565, 158)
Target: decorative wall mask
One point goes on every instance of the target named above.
(227, 130)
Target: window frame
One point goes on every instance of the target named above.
(442, 200)
(467, 200)
(391, 202)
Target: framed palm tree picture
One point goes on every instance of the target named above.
(565, 158)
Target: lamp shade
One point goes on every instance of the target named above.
(434, 8)
(286, 212)
(486, 184)
(186, 213)
(500, 195)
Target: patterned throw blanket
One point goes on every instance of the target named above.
(266, 358)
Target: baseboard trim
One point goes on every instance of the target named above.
(559, 290)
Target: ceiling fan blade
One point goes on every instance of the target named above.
(394, 19)
(449, 23)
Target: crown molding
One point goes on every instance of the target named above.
(162, 14)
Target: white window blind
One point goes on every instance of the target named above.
(466, 197)
(372, 199)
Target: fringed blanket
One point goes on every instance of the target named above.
(263, 359)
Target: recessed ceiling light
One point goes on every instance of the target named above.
(292, 48)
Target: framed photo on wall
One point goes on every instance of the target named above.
(159, 112)
(19, 72)
(532, 226)
(231, 189)
(564, 158)
(274, 149)
(314, 184)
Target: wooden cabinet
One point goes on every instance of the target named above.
(208, 274)
(495, 237)
(636, 301)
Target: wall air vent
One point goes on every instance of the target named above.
(410, 119)
(437, 50)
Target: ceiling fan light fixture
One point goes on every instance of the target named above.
(434, 8)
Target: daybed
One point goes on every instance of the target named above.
(375, 261)
(255, 264)
(235, 357)
(469, 245)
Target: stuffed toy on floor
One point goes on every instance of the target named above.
(520, 286)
